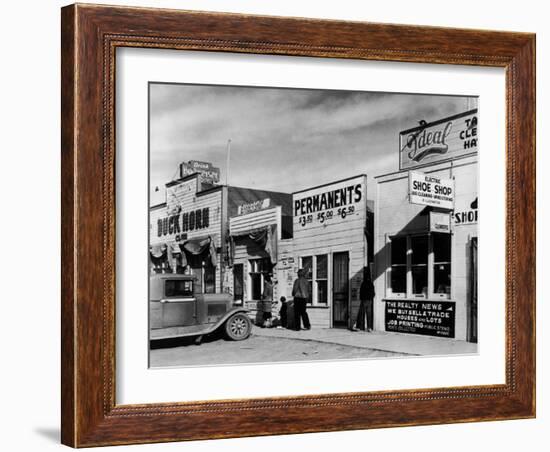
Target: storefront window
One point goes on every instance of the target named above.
(419, 264)
(417, 260)
(316, 272)
(209, 279)
(322, 278)
(307, 265)
(398, 276)
(442, 265)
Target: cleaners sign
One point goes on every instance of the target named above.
(428, 190)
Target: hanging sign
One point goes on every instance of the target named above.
(208, 173)
(428, 190)
(254, 206)
(440, 222)
(441, 140)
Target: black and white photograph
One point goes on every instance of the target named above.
(292, 224)
(257, 226)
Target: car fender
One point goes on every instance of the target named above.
(228, 314)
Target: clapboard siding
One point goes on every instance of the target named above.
(182, 198)
(337, 234)
(243, 223)
(395, 215)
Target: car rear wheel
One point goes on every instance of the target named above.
(238, 327)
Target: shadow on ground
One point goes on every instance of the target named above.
(187, 341)
(52, 434)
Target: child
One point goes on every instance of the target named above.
(282, 312)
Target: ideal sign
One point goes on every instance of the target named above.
(441, 140)
(428, 190)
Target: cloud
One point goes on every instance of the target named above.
(284, 139)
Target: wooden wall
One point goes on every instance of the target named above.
(394, 214)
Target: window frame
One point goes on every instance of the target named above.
(430, 295)
(439, 295)
(314, 280)
(310, 302)
(390, 268)
(176, 280)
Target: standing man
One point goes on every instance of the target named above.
(366, 294)
(300, 292)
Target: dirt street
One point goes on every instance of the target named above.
(255, 349)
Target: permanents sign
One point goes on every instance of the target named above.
(328, 206)
(430, 318)
(445, 139)
(431, 190)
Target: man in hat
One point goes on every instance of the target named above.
(300, 292)
(366, 294)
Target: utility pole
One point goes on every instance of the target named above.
(227, 163)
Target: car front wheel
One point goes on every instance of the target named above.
(238, 327)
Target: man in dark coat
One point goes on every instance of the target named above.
(366, 294)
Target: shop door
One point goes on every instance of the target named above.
(198, 274)
(340, 290)
(238, 283)
(472, 298)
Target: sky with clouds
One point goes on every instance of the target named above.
(284, 139)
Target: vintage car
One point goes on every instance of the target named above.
(178, 309)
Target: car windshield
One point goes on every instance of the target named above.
(178, 288)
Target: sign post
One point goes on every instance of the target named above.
(209, 173)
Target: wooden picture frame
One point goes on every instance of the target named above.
(90, 36)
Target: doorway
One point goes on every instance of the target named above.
(238, 283)
(472, 292)
(340, 290)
